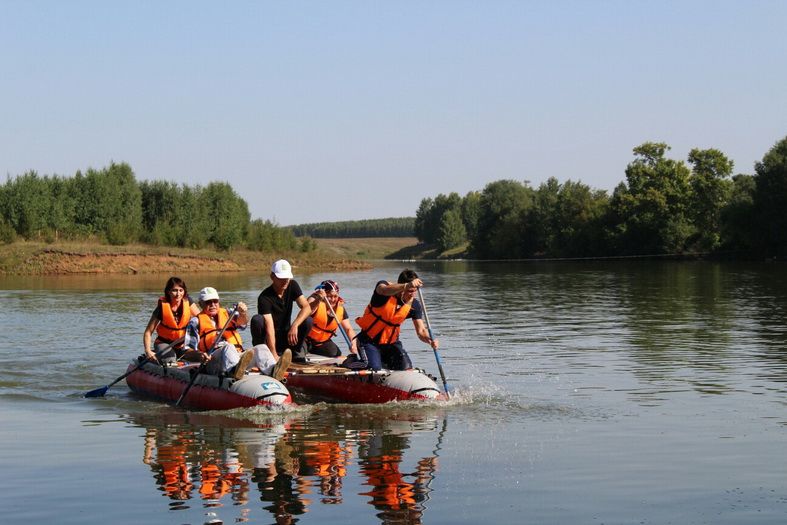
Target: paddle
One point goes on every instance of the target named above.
(338, 372)
(202, 366)
(431, 336)
(341, 328)
(99, 392)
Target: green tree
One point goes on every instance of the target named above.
(423, 217)
(430, 214)
(770, 200)
(228, 213)
(652, 206)
(504, 205)
(737, 217)
(471, 211)
(161, 204)
(711, 189)
(28, 201)
(307, 244)
(109, 203)
(452, 231)
(567, 219)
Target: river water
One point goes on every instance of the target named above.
(603, 393)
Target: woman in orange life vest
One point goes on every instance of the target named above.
(169, 320)
(390, 306)
(324, 325)
(228, 354)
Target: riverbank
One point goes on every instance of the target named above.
(64, 258)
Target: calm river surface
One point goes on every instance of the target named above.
(614, 393)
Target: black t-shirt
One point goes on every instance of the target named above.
(379, 300)
(281, 309)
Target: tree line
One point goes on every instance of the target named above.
(111, 205)
(665, 206)
(389, 227)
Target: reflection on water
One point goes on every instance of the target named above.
(607, 392)
(290, 462)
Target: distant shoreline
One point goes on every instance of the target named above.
(85, 258)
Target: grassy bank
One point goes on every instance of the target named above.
(39, 258)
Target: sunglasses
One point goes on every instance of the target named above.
(212, 301)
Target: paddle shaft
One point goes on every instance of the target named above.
(332, 373)
(99, 392)
(341, 328)
(202, 366)
(431, 336)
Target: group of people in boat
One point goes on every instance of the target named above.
(208, 333)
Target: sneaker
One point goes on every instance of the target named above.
(243, 364)
(280, 369)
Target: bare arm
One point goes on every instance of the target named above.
(422, 332)
(389, 289)
(314, 300)
(152, 324)
(306, 311)
(243, 315)
(348, 329)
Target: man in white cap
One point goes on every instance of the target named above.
(226, 356)
(272, 326)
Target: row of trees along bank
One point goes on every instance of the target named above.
(109, 204)
(390, 227)
(665, 206)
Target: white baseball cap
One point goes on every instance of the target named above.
(282, 269)
(208, 294)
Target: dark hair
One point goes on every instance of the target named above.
(406, 276)
(172, 282)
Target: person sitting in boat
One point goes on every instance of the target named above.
(271, 326)
(226, 357)
(391, 304)
(327, 307)
(173, 312)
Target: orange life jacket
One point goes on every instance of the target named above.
(169, 329)
(213, 486)
(324, 326)
(389, 488)
(381, 324)
(208, 331)
(327, 457)
(176, 482)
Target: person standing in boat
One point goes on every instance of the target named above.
(273, 324)
(327, 313)
(228, 356)
(173, 312)
(390, 306)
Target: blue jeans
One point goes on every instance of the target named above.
(393, 356)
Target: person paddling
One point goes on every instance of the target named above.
(328, 313)
(390, 306)
(169, 321)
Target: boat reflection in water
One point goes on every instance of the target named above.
(296, 462)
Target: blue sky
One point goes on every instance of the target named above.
(338, 110)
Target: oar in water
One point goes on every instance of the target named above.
(202, 366)
(99, 392)
(431, 336)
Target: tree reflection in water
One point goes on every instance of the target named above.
(218, 460)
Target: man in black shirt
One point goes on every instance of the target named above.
(390, 306)
(272, 325)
